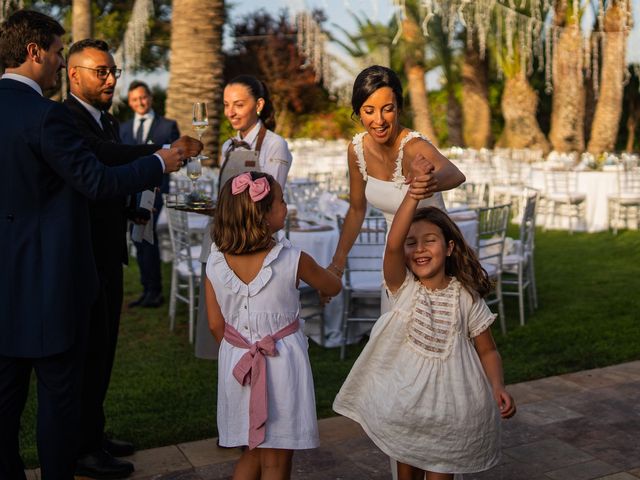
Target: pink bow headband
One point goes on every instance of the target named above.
(258, 189)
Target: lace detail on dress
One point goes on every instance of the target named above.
(398, 177)
(358, 147)
(433, 323)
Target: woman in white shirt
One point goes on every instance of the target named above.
(248, 108)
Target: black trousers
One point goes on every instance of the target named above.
(58, 387)
(101, 348)
(148, 257)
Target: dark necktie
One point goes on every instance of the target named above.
(140, 131)
(237, 143)
(106, 126)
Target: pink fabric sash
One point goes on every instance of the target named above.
(251, 369)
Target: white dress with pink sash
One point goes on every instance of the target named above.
(269, 303)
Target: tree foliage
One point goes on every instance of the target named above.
(265, 46)
(110, 19)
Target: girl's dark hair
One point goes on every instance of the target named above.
(258, 89)
(371, 79)
(239, 225)
(463, 262)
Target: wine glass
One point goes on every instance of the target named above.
(200, 123)
(200, 119)
(194, 170)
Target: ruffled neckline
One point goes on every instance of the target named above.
(397, 178)
(235, 284)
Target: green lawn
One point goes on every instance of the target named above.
(589, 316)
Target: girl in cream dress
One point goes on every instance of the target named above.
(428, 387)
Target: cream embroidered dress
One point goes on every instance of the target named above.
(267, 304)
(418, 388)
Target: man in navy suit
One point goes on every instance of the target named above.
(92, 80)
(148, 127)
(48, 278)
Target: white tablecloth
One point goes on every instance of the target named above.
(597, 186)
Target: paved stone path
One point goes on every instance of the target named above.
(579, 426)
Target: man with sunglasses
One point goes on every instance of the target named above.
(92, 79)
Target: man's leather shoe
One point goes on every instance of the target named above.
(118, 448)
(102, 465)
(138, 302)
(153, 301)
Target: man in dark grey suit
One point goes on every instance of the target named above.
(148, 127)
(48, 278)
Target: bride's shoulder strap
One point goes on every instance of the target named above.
(358, 148)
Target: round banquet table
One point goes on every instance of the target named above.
(597, 186)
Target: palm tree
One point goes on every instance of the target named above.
(568, 104)
(519, 105)
(196, 69)
(371, 45)
(476, 110)
(443, 53)
(81, 20)
(412, 47)
(604, 129)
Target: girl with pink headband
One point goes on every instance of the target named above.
(266, 397)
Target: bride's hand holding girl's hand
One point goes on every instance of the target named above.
(422, 182)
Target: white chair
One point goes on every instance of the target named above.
(311, 308)
(562, 198)
(507, 182)
(492, 231)
(185, 268)
(362, 273)
(469, 194)
(518, 272)
(625, 204)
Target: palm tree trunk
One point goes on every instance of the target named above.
(419, 101)
(415, 72)
(604, 130)
(568, 105)
(454, 119)
(196, 72)
(81, 20)
(476, 111)
(519, 105)
(632, 123)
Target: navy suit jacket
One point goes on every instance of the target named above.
(162, 131)
(108, 216)
(48, 277)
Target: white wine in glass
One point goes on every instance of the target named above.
(194, 170)
(200, 119)
(200, 123)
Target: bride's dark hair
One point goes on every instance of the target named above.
(372, 79)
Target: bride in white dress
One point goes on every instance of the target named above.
(380, 159)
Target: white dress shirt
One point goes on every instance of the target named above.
(22, 79)
(274, 157)
(146, 126)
